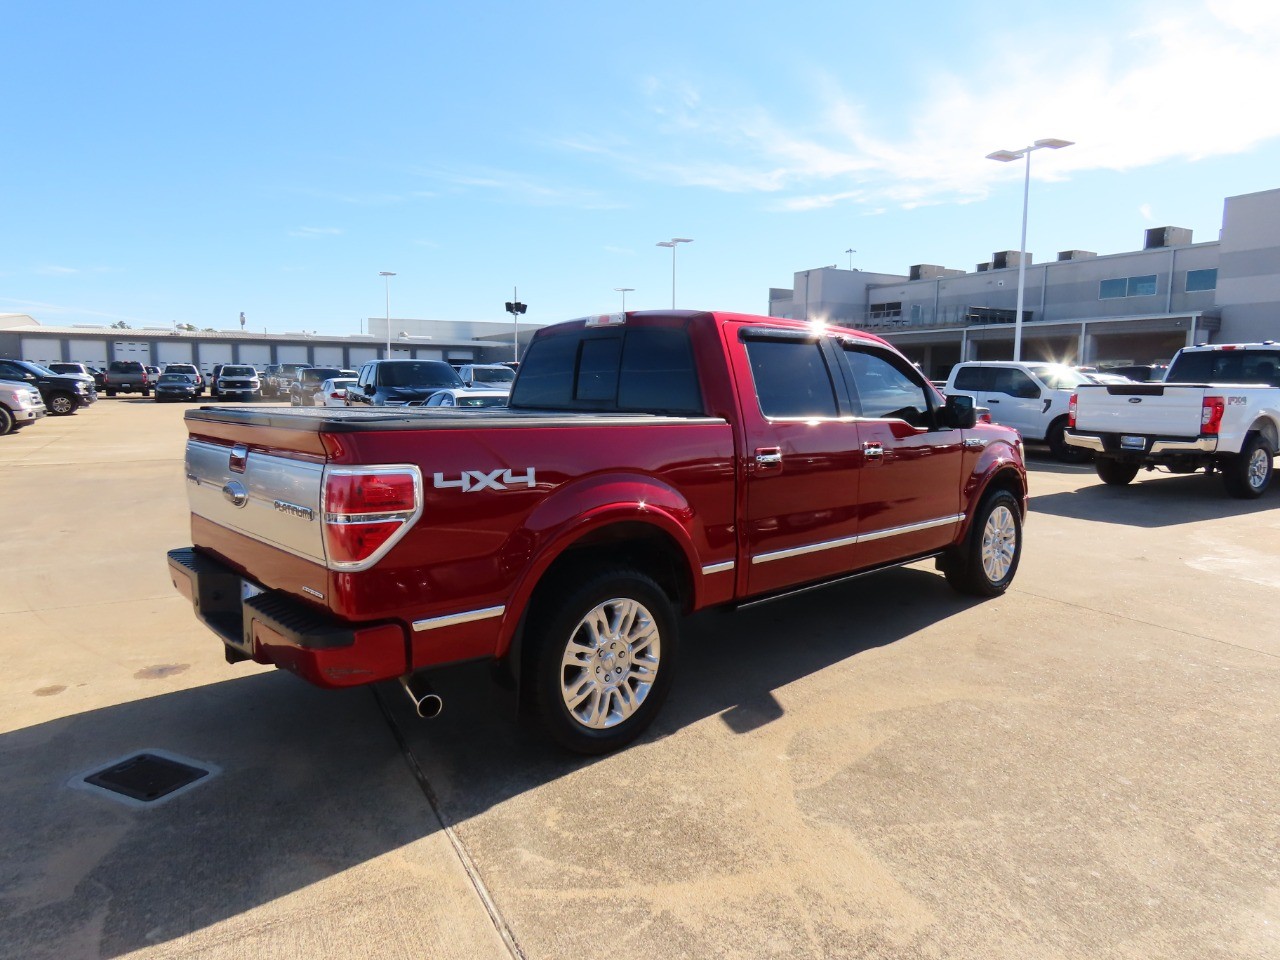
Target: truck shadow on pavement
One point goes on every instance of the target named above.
(1153, 500)
(313, 785)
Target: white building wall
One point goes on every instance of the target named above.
(41, 350)
(167, 352)
(327, 356)
(213, 353)
(258, 354)
(291, 353)
(362, 355)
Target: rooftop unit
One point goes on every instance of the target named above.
(1166, 237)
(1007, 258)
(929, 271)
(1075, 255)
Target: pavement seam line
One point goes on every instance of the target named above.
(1148, 623)
(473, 872)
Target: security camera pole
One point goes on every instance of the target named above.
(515, 308)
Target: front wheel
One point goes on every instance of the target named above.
(6, 420)
(985, 564)
(605, 660)
(1114, 473)
(61, 404)
(1247, 475)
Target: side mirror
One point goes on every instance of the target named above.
(960, 412)
(368, 389)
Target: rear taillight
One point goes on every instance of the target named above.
(366, 510)
(1211, 412)
(1071, 410)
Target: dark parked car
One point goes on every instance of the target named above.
(396, 383)
(187, 368)
(62, 393)
(302, 392)
(280, 382)
(177, 386)
(127, 376)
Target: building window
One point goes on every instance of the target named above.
(1127, 287)
(1202, 280)
(881, 311)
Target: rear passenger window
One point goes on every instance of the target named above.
(791, 378)
(658, 372)
(972, 378)
(598, 370)
(1014, 383)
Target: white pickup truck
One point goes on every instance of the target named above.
(1217, 409)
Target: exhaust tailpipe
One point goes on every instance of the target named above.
(425, 700)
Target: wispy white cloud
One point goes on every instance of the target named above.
(315, 233)
(1182, 82)
(1144, 211)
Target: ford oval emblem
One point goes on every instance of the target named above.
(235, 493)
(1135, 399)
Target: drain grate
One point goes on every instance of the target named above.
(145, 778)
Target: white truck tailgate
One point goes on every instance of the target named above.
(1148, 409)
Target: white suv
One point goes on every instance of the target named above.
(1031, 397)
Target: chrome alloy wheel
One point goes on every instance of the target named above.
(999, 544)
(610, 663)
(1259, 466)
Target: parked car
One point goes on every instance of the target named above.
(396, 383)
(281, 382)
(20, 405)
(154, 373)
(127, 376)
(333, 392)
(177, 386)
(492, 376)
(1142, 372)
(650, 465)
(235, 381)
(188, 368)
(1029, 396)
(68, 369)
(467, 397)
(62, 393)
(303, 391)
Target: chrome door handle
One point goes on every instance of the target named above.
(872, 450)
(768, 457)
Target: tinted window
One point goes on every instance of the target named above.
(417, 373)
(125, 366)
(1142, 286)
(493, 374)
(885, 391)
(1227, 366)
(546, 375)
(657, 372)
(598, 370)
(1014, 383)
(973, 378)
(791, 378)
(1111, 289)
(237, 371)
(1202, 280)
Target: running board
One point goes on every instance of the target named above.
(829, 583)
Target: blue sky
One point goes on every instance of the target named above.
(185, 162)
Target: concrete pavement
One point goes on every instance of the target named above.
(1082, 768)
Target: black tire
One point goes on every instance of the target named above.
(111, 393)
(146, 392)
(6, 420)
(628, 645)
(1114, 473)
(62, 404)
(996, 531)
(1058, 446)
(1248, 474)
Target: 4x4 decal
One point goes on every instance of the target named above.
(473, 481)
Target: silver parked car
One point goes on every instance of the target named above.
(19, 406)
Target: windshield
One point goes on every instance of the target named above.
(1058, 377)
(238, 372)
(418, 373)
(493, 374)
(320, 373)
(38, 369)
(175, 378)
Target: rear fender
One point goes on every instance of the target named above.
(578, 510)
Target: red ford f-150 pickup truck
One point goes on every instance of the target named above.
(649, 464)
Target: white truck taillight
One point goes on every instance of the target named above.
(1071, 410)
(1211, 412)
(366, 510)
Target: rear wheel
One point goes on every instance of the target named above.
(1114, 473)
(1247, 475)
(605, 660)
(985, 564)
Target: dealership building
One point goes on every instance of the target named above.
(23, 337)
(1080, 308)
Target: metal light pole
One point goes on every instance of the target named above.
(386, 276)
(672, 244)
(624, 291)
(851, 252)
(1007, 156)
(515, 308)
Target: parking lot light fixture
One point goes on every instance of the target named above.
(386, 276)
(672, 244)
(624, 291)
(1008, 156)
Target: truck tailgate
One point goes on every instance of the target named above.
(1149, 409)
